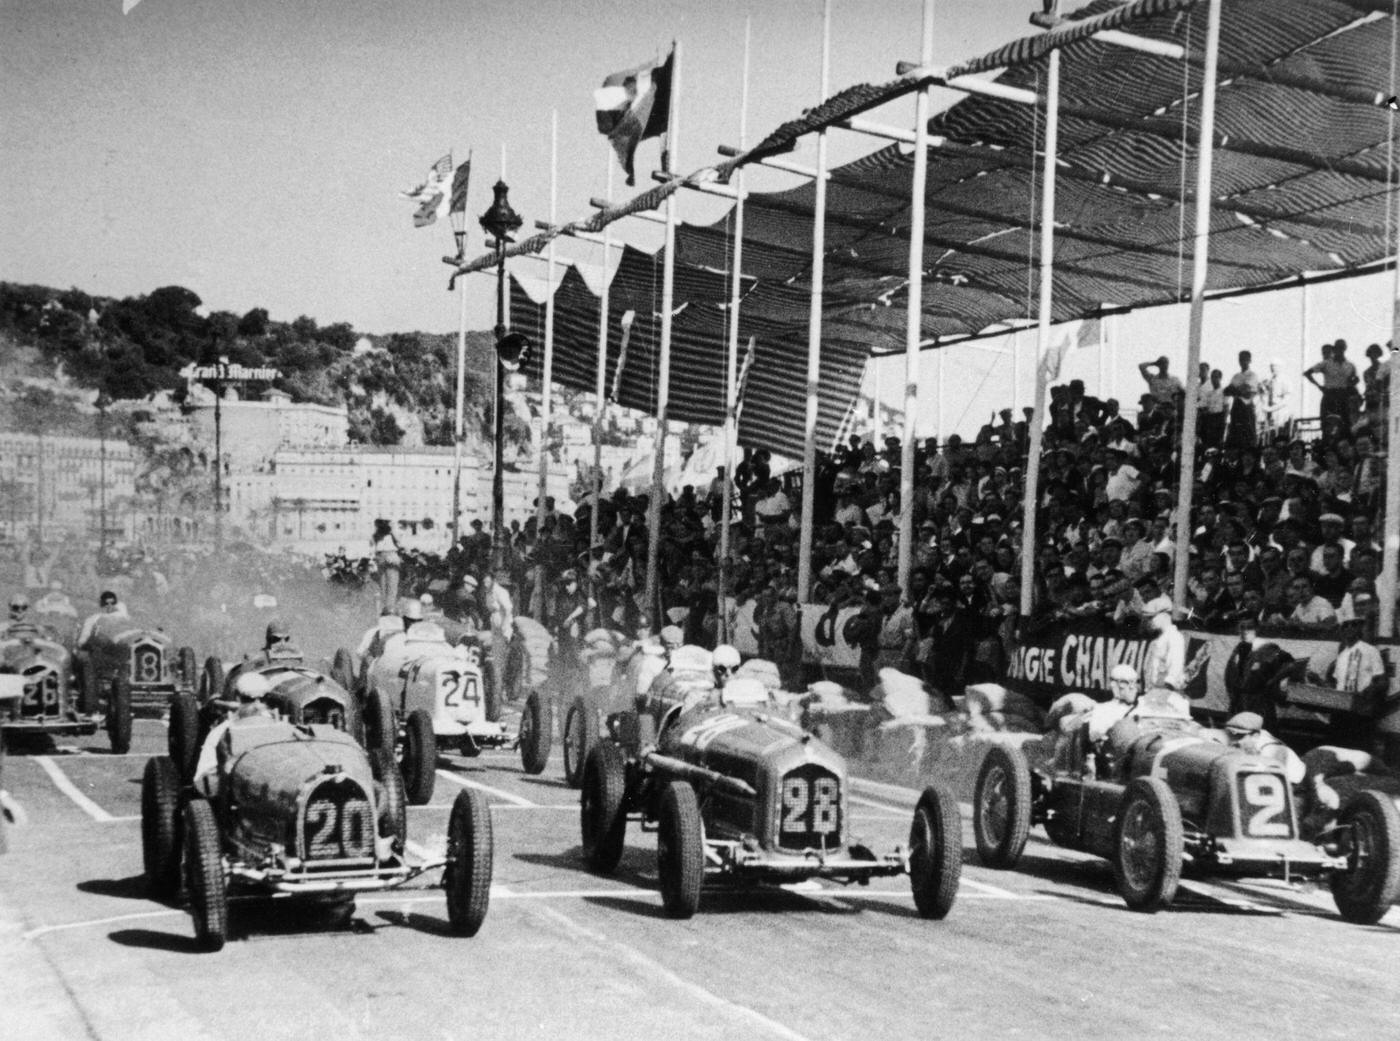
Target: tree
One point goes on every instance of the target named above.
(254, 323)
(384, 428)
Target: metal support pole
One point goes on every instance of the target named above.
(547, 367)
(1200, 261)
(218, 466)
(498, 486)
(102, 475)
(914, 328)
(731, 372)
(458, 425)
(814, 340)
(1047, 269)
(663, 375)
(600, 394)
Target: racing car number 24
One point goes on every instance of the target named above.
(459, 688)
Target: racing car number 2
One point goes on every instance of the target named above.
(1264, 806)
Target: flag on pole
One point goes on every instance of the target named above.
(431, 195)
(632, 106)
(744, 368)
(628, 317)
(458, 197)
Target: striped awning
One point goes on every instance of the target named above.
(1303, 187)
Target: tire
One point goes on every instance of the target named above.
(204, 874)
(514, 681)
(119, 714)
(188, 667)
(491, 692)
(1364, 892)
(211, 680)
(1148, 846)
(467, 877)
(419, 761)
(1001, 807)
(580, 735)
(381, 726)
(89, 689)
(680, 850)
(182, 736)
(935, 852)
(601, 815)
(393, 815)
(536, 732)
(343, 669)
(160, 828)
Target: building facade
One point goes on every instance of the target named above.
(55, 486)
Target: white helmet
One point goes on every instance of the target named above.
(251, 686)
(725, 657)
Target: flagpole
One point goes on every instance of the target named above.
(731, 376)
(547, 368)
(814, 339)
(600, 394)
(1047, 270)
(663, 388)
(913, 332)
(458, 425)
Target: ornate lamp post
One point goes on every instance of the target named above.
(103, 403)
(498, 222)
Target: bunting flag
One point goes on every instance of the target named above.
(628, 317)
(744, 378)
(458, 196)
(431, 195)
(632, 106)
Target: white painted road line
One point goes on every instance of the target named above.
(498, 793)
(68, 788)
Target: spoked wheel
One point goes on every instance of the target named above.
(160, 828)
(1371, 882)
(680, 850)
(536, 732)
(604, 823)
(1147, 860)
(1001, 816)
(204, 874)
(419, 757)
(580, 735)
(119, 714)
(935, 851)
(467, 877)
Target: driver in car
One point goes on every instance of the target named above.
(110, 611)
(251, 689)
(19, 611)
(277, 645)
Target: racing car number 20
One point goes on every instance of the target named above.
(338, 822)
(1262, 796)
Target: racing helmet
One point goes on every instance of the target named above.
(412, 611)
(277, 632)
(19, 604)
(1123, 678)
(726, 657)
(672, 637)
(251, 686)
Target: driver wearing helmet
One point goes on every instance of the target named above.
(1123, 685)
(724, 661)
(19, 611)
(277, 645)
(251, 689)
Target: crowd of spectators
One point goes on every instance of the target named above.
(1283, 533)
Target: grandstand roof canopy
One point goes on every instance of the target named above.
(1303, 187)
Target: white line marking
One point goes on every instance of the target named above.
(751, 1017)
(507, 796)
(120, 820)
(572, 807)
(988, 890)
(68, 788)
(92, 922)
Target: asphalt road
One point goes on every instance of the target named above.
(1046, 951)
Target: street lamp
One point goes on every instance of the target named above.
(511, 348)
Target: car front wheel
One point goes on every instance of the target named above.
(536, 732)
(1371, 882)
(580, 735)
(604, 823)
(1001, 814)
(467, 877)
(680, 850)
(160, 828)
(1148, 854)
(935, 851)
(419, 757)
(204, 874)
(119, 714)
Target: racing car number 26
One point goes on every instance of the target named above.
(1264, 806)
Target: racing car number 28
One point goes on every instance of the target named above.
(1264, 806)
(811, 809)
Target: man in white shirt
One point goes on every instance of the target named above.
(1164, 664)
(1310, 611)
(1124, 479)
(1210, 399)
(1358, 664)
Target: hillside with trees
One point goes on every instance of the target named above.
(135, 346)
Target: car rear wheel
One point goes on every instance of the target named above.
(604, 823)
(211, 680)
(680, 850)
(1371, 882)
(393, 815)
(204, 874)
(1148, 854)
(160, 828)
(1001, 816)
(188, 666)
(467, 877)
(419, 757)
(119, 714)
(935, 851)
(182, 736)
(343, 669)
(580, 735)
(536, 732)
